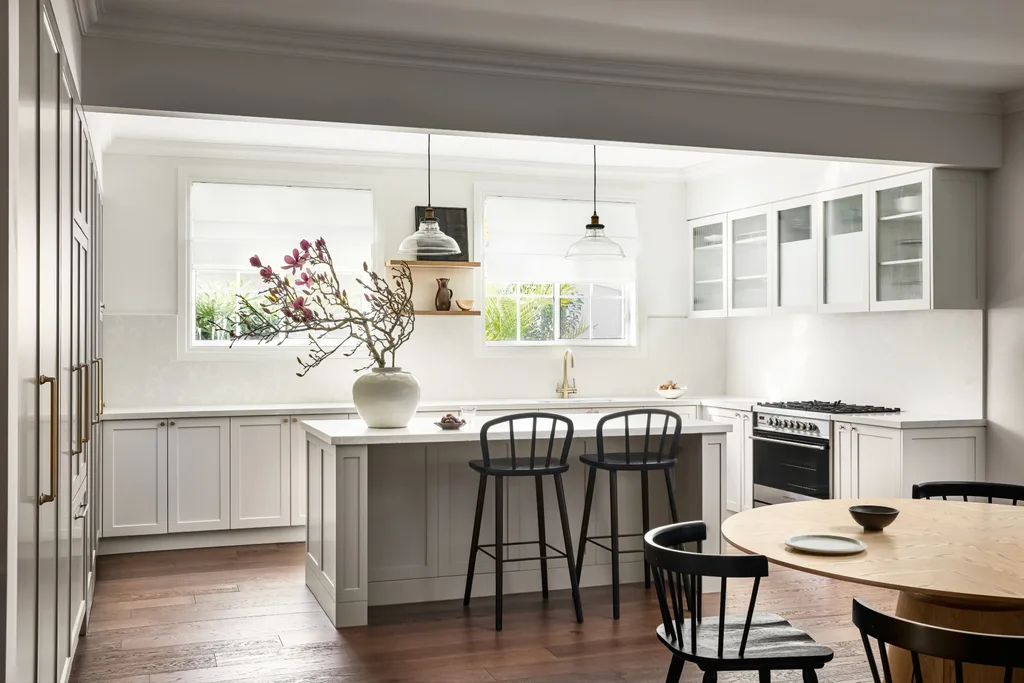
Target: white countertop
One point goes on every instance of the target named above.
(911, 420)
(422, 430)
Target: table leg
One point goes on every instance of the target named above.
(984, 618)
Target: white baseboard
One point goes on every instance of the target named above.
(201, 539)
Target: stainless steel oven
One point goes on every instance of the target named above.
(792, 457)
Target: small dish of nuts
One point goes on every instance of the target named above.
(450, 421)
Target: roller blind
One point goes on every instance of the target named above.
(231, 222)
(525, 240)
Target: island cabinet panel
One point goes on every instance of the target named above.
(135, 478)
(403, 508)
(260, 472)
(298, 465)
(198, 474)
(457, 487)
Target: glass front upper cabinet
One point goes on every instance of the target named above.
(900, 270)
(749, 275)
(707, 237)
(844, 252)
(795, 262)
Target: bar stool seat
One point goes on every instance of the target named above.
(632, 462)
(507, 467)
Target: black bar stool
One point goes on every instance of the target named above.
(538, 465)
(665, 431)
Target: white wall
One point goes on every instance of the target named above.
(1005, 342)
(924, 361)
(142, 274)
(928, 361)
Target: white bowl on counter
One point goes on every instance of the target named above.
(671, 393)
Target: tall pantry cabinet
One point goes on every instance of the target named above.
(59, 302)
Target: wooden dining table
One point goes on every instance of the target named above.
(955, 564)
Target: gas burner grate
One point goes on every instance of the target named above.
(834, 407)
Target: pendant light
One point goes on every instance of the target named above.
(428, 240)
(594, 245)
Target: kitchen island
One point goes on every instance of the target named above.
(390, 511)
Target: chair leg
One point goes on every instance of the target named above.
(675, 670)
(582, 540)
(810, 676)
(542, 538)
(646, 514)
(481, 494)
(499, 547)
(765, 677)
(563, 513)
(710, 677)
(613, 487)
(671, 495)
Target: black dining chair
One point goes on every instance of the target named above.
(756, 641)
(542, 430)
(657, 453)
(960, 647)
(968, 489)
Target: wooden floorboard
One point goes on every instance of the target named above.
(243, 615)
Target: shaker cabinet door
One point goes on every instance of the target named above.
(260, 472)
(198, 468)
(134, 477)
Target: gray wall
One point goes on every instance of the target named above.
(1005, 343)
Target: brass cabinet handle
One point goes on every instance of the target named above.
(54, 436)
(82, 511)
(87, 417)
(99, 387)
(79, 425)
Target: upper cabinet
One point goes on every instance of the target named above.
(707, 249)
(749, 277)
(908, 242)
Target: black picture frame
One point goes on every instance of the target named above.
(453, 222)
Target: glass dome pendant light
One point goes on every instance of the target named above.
(428, 240)
(594, 245)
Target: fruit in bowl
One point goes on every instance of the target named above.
(450, 421)
(670, 390)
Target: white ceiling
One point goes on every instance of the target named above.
(966, 44)
(107, 129)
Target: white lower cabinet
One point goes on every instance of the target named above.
(739, 466)
(884, 462)
(260, 472)
(198, 474)
(79, 566)
(135, 478)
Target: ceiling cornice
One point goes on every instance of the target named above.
(388, 52)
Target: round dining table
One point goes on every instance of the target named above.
(955, 564)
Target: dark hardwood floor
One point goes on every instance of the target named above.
(226, 615)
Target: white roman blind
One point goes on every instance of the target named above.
(231, 222)
(525, 240)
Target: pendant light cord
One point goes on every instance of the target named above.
(428, 170)
(595, 180)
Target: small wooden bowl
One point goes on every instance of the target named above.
(465, 304)
(874, 517)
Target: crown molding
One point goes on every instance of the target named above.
(89, 12)
(1013, 102)
(417, 162)
(138, 26)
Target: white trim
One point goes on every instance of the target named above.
(201, 539)
(256, 175)
(364, 49)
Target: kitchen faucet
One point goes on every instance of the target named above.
(568, 361)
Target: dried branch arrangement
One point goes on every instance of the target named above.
(306, 298)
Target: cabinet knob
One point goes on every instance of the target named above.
(172, 423)
(163, 424)
(284, 419)
(295, 419)
(842, 428)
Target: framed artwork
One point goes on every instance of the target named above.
(454, 223)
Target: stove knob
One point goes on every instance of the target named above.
(788, 424)
(801, 425)
(773, 422)
(813, 427)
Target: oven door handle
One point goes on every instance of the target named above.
(812, 446)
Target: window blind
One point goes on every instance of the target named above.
(231, 222)
(525, 240)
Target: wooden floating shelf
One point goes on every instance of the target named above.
(433, 264)
(447, 312)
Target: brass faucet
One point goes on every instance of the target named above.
(568, 361)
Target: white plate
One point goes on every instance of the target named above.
(825, 544)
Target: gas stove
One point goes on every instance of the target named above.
(832, 407)
(808, 418)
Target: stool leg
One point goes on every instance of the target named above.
(588, 501)
(671, 495)
(810, 676)
(481, 494)
(613, 487)
(764, 676)
(543, 539)
(675, 670)
(499, 548)
(644, 501)
(563, 512)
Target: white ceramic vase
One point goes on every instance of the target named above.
(386, 398)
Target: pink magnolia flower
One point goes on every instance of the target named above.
(304, 279)
(300, 310)
(294, 261)
(320, 243)
(254, 261)
(304, 245)
(266, 272)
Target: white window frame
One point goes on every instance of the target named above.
(188, 348)
(570, 189)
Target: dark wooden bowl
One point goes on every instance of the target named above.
(873, 517)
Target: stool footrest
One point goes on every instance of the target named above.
(621, 551)
(557, 553)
